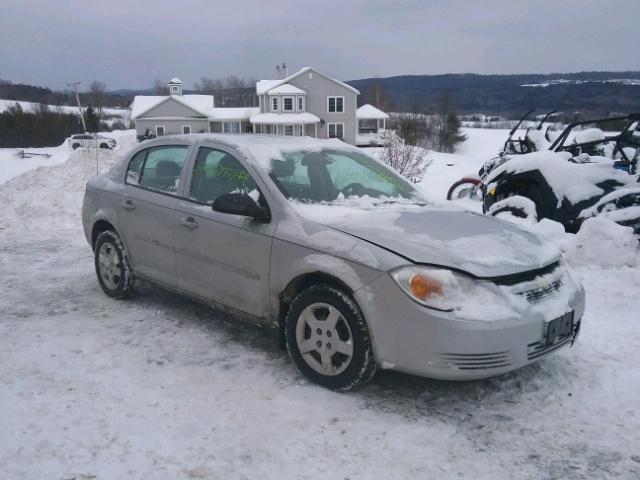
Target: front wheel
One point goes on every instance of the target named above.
(328, 339)
(112, 266)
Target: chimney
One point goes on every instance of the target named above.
(284, 70)
(278, 72)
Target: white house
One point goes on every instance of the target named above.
(307, 103)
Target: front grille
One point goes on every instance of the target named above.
(540, 348)
(536, 294)
(523, 277)
(476, 361)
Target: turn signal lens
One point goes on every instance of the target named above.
(424, 287)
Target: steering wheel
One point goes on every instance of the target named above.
(354, 188)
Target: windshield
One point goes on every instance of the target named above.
(330, 175)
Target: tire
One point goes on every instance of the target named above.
(466, 182)
(350, 358)
(75, 146)
(112, 266)
(104, 146)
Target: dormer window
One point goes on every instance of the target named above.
(175, 89)
(287, 104)
(274, 104)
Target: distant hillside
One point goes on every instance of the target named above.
(591, 93)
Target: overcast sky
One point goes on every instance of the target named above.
(128, 44)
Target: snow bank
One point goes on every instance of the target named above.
(51, 196)
(605, 244)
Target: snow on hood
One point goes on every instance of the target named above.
(480, 245)
(569, 180)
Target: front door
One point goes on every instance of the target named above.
(147, 209)
(220, 257)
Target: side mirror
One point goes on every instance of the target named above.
(241, 204)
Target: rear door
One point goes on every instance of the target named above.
(220, 257)
(146, 211)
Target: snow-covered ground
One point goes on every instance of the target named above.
(12, 164)
(160, 387)
(122, 114)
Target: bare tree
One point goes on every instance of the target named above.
(160, 88)
(208, 86)
(377, 95)
(97, 93)
(408, 160)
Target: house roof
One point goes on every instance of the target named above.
(142, 104)
(286, 88)
(264, 86)
(284, 118)
(369, 111)
(232, 113)
(175, 80)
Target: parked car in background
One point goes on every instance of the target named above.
(89, 140)
(335, 250)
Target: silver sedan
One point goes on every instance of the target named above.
(336, 251)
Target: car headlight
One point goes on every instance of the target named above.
(465, 297)
(437, 288)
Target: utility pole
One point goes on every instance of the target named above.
(75, 86)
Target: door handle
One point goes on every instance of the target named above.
(189, 222)
(128, 205)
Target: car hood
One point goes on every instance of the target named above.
(480, 245)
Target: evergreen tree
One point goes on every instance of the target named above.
(449, 131)
(91, 120)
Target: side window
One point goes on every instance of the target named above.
(162, 168)
(217, 173)
(135, 168)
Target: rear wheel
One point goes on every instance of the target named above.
(112, 266)
(328, 339)
(75, 146)
(465, 188)
(104, 145)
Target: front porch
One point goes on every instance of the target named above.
(292, 124)
(372, 126)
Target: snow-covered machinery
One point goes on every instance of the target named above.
(532, 141)
(582, 174)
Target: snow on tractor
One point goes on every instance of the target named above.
(582, 173)
(533, 140)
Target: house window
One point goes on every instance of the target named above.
(186, 129)
(160, 130)
(287, 104)
(301, 104)
(274, 104)
(335, 104)
(231, 127)
(300, 130)
(336, 130)
(288, 130)
(175, 89)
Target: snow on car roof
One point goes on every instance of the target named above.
(261, 148)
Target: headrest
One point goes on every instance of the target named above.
(167, 168)
(282, 168)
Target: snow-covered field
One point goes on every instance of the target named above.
(122, 114)
(159, 387)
